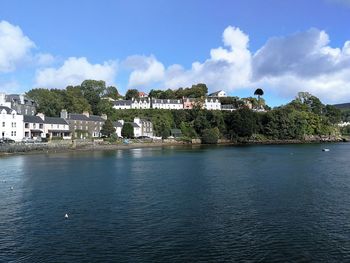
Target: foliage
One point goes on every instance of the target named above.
(128, 131)
(211, 136)
(132, 93)
(108, 128)
(196, 91)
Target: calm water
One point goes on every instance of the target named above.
(255, 203)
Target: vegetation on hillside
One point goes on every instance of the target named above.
(304, 116)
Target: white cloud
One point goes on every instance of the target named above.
(146, 70)
(74, 71)
(14, 46)
(304, 61)
(228, 67)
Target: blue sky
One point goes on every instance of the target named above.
(282, 46)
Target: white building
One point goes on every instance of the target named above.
(141, 103)
(122, 104)
(212, 104)
(11, 124)
(218, 94)
(141, 127)
(167, 104)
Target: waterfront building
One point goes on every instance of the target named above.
(142, 127)
(218, 94)
(11, 124)
(168, 104)
(212, 104)
(84, 125)
(33, 127)
(18, 102)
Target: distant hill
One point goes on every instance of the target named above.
(342, 106)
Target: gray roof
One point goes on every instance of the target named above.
(77, 117)
(133, 124)
(7, 109)
(142, 99)
(214, 94)
(82, 117)
(117, 124)
(54, 120)
(16, 97)
(96, 118)
(122, 103)
(32, 119)
(228, 106)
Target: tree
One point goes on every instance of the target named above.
(131, 93)
(108, 128)
(92, 91)
(128, 130)
(211, 136)
(112, 92)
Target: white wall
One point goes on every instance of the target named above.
(11, 125)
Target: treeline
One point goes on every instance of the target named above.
(88, 96)
(304, 116)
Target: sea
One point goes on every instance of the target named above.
(262, 203)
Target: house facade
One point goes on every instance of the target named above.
(11, 124)
(167, 104)
(18, 102)
(218, 94)
(122, 104)
(33, 127)
(84, 125)
(212, 104)
(142, 127)
(141, 103)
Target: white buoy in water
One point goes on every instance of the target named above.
(325, 150)
(11, 188)
(66, 216)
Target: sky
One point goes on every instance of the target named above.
(281, 46)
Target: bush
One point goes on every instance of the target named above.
(211, 136)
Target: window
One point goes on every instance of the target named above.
(26, 125)
(41, 126)
(34, 125)
(3, 124)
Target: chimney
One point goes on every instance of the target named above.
(41, 115)
(104, 116)
(64, 114)
(86, 113)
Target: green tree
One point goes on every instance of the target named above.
(108, 128)
(112, 92)
(211, 136)
(132, 93)
(128, 130)
(92, 91)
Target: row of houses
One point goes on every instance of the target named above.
(168, 104)
(69, 125)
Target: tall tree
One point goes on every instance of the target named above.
(128, 130)
(92, 91)
(131, 93)
(108, 128)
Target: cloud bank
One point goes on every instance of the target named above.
(74, 71)
(303, 61)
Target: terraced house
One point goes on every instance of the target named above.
(85, 125)
(18, 102)
(11, 124)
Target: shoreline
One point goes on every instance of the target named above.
(91, 147)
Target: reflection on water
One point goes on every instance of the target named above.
(179, 204)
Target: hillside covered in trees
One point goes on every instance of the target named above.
(303, 117)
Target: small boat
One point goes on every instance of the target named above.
(325, 150)
(66, 216)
